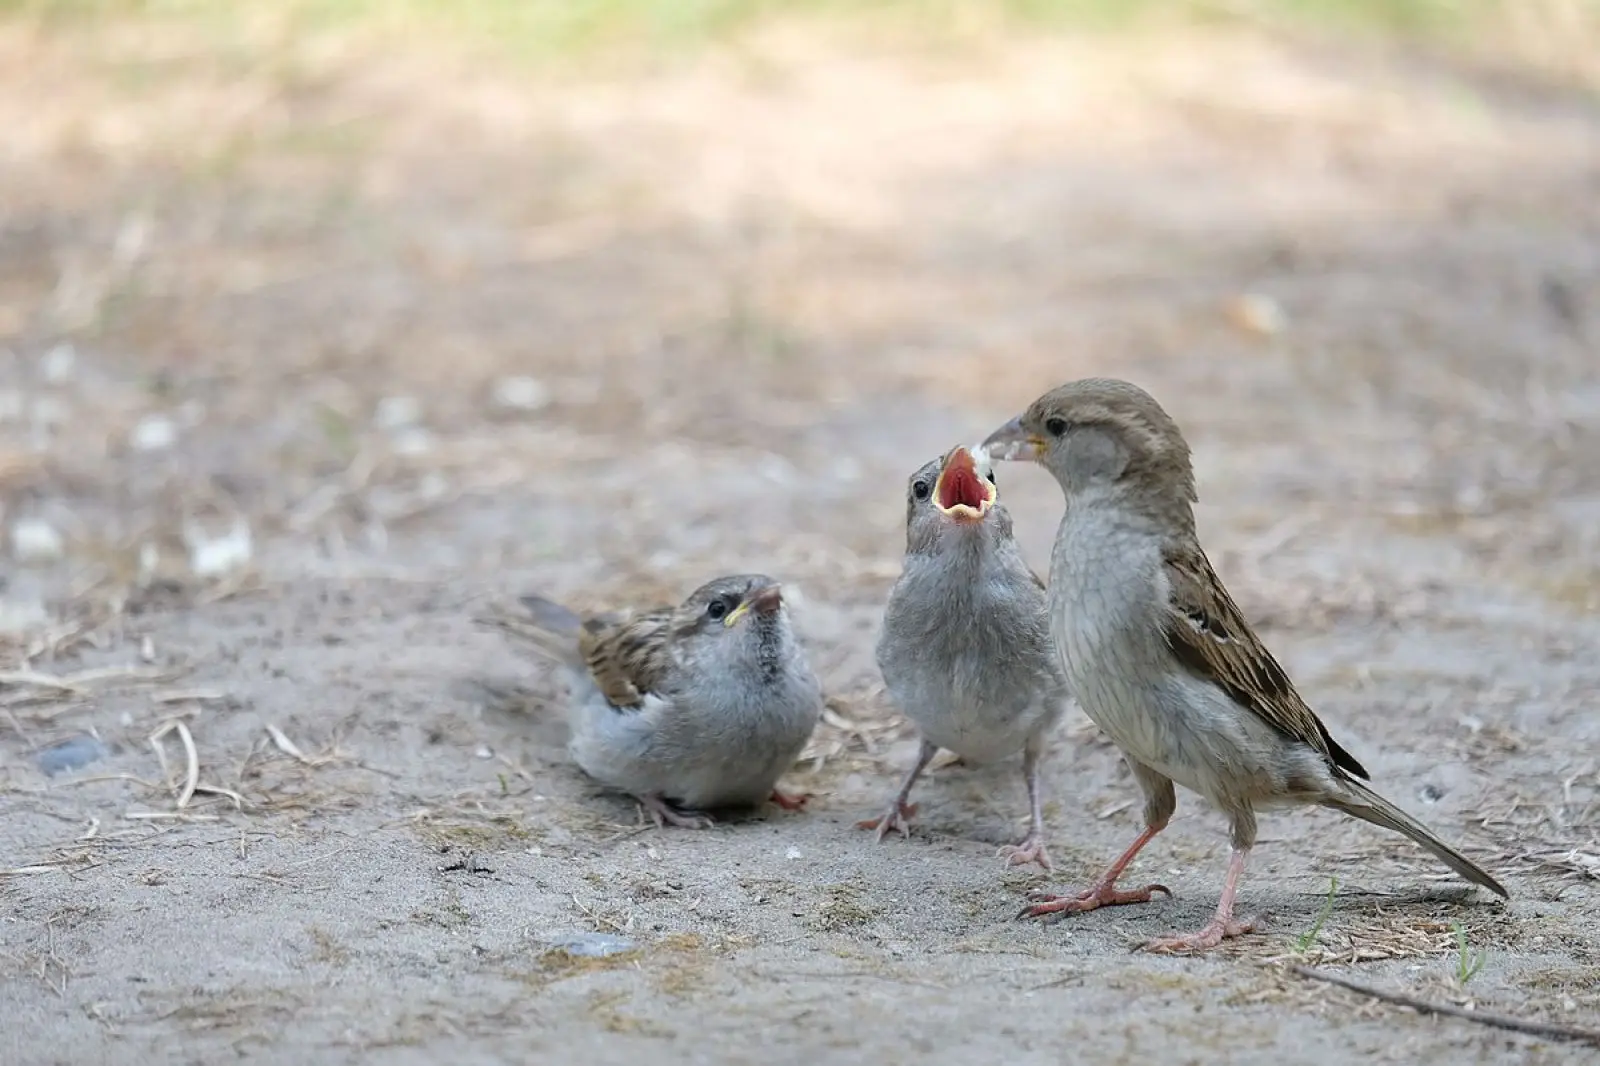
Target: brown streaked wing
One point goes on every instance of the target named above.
(1210, 636)
(627, 657)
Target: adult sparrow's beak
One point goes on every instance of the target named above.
(1011, 441)
(763, 601)
(962, 492)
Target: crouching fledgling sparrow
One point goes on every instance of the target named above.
(965, 645)
(1160, 657)
(688, 708)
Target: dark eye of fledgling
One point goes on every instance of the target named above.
(920, 489)
(1055, 426)
(717, 608)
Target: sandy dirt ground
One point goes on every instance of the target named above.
(315, 351)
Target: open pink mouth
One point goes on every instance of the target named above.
(962, 492)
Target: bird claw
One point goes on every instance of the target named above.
(1030, 850)
(796, 802)
(897, 817)
(665, 814)
(1090, 899)
(1209, 936)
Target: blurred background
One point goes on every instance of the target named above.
(325, 326)
(316, 287)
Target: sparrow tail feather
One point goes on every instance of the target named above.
(550, 615)
(551, 628)
(1363, 803)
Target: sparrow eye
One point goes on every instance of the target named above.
(1055, 426)
(920, 489)
(717, 608)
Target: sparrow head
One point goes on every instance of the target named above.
(955, 492)
(735, 622)
(1101, 433)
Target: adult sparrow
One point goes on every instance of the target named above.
(965, 645)
(1160, 657)
(698, 706)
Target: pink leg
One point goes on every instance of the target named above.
(666, 814)
(1032, 847)
(1105, 892)
(1221, 926)
(796, 802)
(898, 816)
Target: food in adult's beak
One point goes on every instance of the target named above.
(962, 492)
(1011, 441)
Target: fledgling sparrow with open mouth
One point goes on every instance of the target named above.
(689, 708)
(965, 646)
(1160, 657)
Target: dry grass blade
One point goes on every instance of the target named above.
(1571, 863)
(191, 776)
(20, 871)
(77, 682)
(218, 790)
(281, 741)
(1497, 1021)
(38, 679)
(189, 696)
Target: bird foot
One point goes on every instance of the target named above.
(1030, 850)
(665, 814)
(1104, 894)
(795, 802)
(897, 817)
(1213, 933)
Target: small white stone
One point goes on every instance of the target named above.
(153, 433)
(483, 752)
(35, 541)
(413, 441)
(792, 853)
(214, 556)
(58, 363)
(520, 393)
(397, 412)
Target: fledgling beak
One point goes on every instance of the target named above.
(763, 601)
(1013, 442)
(962, 492)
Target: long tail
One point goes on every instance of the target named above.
(551, 628)
(1361, 802)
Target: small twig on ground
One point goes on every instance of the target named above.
(169, 816)
(1497, 1021)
